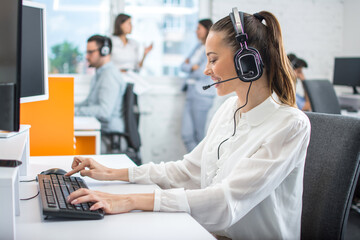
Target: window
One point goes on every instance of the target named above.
(169, 24)
(69, 25)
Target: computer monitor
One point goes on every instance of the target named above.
(347, 72)
(10, 64)
(34, 70)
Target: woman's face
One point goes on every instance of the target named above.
(126, 26)
(201, 33)
(220, 64)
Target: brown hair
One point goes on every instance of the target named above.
(120, 19)
(267, 39)
(207, 23)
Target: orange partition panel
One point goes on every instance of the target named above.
(85, 145)
(52, 120)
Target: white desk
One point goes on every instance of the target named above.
(134, 225)
(88, 127)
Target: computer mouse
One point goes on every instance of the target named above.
(56, 171)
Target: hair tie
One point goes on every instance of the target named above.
(258, 16)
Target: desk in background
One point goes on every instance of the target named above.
(134, 225)
(87, 133)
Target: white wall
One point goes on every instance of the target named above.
(351, 28)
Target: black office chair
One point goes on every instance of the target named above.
(322, 96)
(331, 174)
(131, 135)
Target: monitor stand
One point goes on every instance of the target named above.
(13, 147)
(355, 91)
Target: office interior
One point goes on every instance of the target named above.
(315, 30)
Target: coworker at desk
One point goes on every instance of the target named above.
(126, 50)
(302, 99)
(245, 179)
(198, 102)
(107, 87)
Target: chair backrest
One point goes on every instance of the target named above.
(322, 96)
(131, 113)
(330, 177)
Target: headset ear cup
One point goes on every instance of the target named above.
(248, 64)
(105, 50)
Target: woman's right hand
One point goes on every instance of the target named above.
(89, 167)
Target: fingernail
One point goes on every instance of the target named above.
(74, 201)
(68, 198)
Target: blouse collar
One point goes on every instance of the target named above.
(260, 113)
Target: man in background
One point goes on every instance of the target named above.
(107, 88)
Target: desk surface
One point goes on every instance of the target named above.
(134, 225)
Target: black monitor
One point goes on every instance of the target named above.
(10, 64)
(34, 71)
(347, 72)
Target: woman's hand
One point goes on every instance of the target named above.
(113, 203)
(148, 49)
(89, 167)
(195, 67)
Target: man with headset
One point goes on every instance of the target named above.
(107, 88)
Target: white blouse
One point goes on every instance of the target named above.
(254, 190)
(125, 56)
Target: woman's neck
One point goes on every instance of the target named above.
(123, 39)
(258, 93)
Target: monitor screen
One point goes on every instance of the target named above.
(347, 72)
(34, 80)
(10, 60)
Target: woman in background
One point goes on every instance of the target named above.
(198, 102)
(125, 53)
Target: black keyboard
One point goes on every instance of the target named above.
(54, 189)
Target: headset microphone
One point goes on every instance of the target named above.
(250, 74)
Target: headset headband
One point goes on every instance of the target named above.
(237, 19)
(238, 22)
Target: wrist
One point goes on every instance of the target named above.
(144, 201)
(119, 174)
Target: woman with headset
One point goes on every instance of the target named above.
(245, 179)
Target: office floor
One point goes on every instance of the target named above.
(353, 226)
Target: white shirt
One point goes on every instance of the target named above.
(125, 56)
(254, 191)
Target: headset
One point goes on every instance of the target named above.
(248, 63)
(105, 49)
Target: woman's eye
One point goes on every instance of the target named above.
(212, 61)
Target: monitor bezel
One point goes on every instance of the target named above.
(45, 95)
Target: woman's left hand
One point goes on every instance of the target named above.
(110, 203)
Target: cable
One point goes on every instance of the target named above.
(31, 197)
(32, 180)
(247, 97)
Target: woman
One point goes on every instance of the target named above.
(125, 53)
(250, 186)
(198, 102)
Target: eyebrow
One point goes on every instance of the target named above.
(207, 54)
